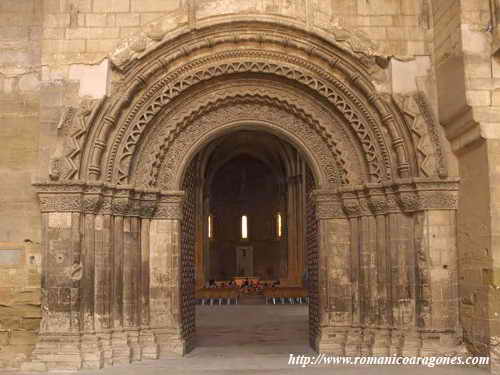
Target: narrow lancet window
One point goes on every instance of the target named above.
(244, 227)
(279, 225)
(210, 226)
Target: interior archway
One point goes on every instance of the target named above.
(249, 173)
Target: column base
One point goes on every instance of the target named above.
(442, 344)
(381, 342)
(133, 343)
(412, 344)
(91, 351)
(121, 352)
(57, 352)
(397, 342)
(107, 351)
(170, 342)
(149, 347)
(367, 342)
(353, 342)
(333, 340)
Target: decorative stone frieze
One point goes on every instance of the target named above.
(106, 199)
(328, 204)
(401, 196)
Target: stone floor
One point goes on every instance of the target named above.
(256, 339)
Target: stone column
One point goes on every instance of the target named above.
(58, 347)
(431, 267)
(335, 283)
(400, 249)
(147, 340)
(121, 352)
(131, 277)
(91, 345)
(377, 202)
(103, 274)
(368, 273)
(165, 292)
(292, 231)
(96, 266)
(437, 272)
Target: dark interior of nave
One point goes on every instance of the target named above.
(249, 190)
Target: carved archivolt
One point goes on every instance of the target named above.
(165, 90)
(104, 143)
(158, 34)
(163, 155)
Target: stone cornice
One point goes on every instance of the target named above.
(107, 199)
(408, 195)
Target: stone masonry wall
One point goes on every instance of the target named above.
(467, 76)
(20, 52)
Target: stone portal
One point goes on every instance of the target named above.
(124, 216)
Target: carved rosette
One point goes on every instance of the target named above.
(106, 199)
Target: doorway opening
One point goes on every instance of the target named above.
(249, 243)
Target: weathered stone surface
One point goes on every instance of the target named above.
(105, 94)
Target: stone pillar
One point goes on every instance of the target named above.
(103, 282)
(91, 345)
(292, 231)
(149, 348)
(383, 301)
(389, 253)
(335, 287)
(437, 282)
(121, 353)
(368, 270)
(432, 267)
(131, 277)
(97, 288)
(165, 292)
(58, 347)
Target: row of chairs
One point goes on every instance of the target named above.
(284, 295)
(230, 296)
(211, 296)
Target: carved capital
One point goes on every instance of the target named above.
(98, 198)
(91, 203)
(350, 203)
(409, 201)
(149, 202)
(60, 202)
(120, 206)
(328, 204)
(377, 200)
(170, 205)
(409, 195)
(438, 194)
